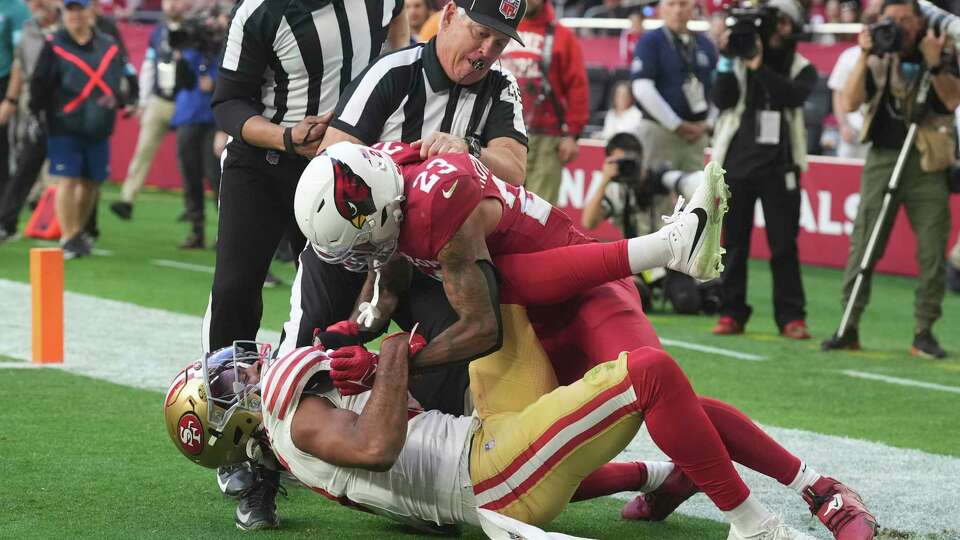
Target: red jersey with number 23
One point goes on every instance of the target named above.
(443, 191)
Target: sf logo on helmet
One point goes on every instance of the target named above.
(190, 431)
(353, 196)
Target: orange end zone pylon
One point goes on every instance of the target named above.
(46, 291)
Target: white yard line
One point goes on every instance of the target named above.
(713, 350)
(143, 347)
(182, 265)
(900, 381)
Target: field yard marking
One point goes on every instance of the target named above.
(182, 265)
(715, 350)
(900, 381)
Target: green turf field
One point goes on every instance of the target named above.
(85, 458)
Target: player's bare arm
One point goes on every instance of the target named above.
(471, 293)
(395, 279)
(370, 440)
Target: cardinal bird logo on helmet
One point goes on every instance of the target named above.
(353, 196)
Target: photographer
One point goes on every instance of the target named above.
(762, 84)
(626, 196)
(196, 44)
(155, 106)
(899, 55)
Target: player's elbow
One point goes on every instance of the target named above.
(379, 456)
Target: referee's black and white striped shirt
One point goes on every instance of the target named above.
(292, 58)
(406, 94)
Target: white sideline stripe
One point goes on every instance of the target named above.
(28, 365)
(714, 350)
(116, 341)
(902, 382)
(182, 265)
(909, 490)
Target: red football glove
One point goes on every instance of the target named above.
(353, 369)
(347, 328)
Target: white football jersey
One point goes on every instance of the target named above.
(430, 481)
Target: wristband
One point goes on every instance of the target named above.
(288, 141)
(937, 69)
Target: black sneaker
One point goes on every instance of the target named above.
(850, 341)
(193, 241)
(257, 508)
(235, 479)
(123, 210)
(271, 281)
(75, 247)
(924, 344)
(7, 236)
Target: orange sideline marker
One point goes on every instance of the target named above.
(46, 291)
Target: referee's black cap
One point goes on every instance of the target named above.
(501, 15)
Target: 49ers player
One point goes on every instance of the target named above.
(379, 451)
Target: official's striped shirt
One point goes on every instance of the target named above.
(405, 95)
(295, 57)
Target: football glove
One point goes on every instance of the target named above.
(341, 334)
(353, 369)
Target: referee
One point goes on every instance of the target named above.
(284, 66)
(449, 93)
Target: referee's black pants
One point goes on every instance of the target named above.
(196, 160)
(323, 294)
(257, 187)
(4, 142)
(781, 211)
(31, 153)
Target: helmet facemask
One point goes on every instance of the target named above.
(223, 383)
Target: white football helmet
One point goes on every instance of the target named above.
(348, 205)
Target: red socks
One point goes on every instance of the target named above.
(612, 478)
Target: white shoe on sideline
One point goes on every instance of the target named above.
(693, 233)
(771, 529)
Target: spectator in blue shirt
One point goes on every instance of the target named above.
(195, 125)
(672, 72)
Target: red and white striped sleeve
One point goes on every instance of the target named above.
(284, 380)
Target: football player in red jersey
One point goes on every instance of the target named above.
(457, 217)
(447, 220)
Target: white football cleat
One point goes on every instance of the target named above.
(771, 529)
(693, 233)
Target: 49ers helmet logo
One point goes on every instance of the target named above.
(190, 432)
(352, 195)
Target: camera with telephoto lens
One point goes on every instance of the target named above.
(887, 37)
(644, 184)
(746, 24)
(198, 32)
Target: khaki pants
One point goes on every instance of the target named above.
(154, 124)
(660, 145)
(544, 170)
(925, 197)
